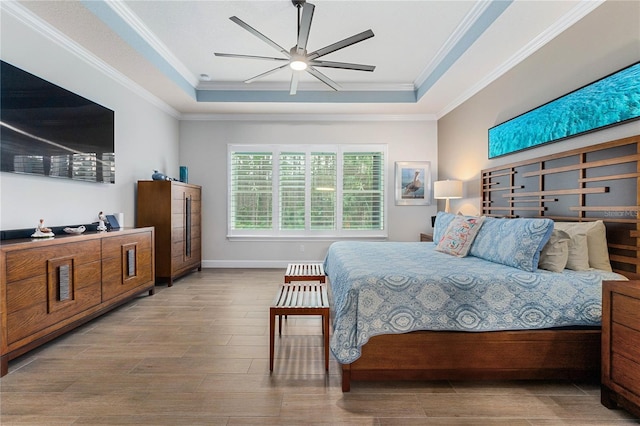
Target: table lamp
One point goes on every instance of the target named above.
(446, 190)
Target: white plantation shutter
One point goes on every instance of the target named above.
(323, 191)
(327, 191)
(292, 190)
(251, 190)
(363, 191)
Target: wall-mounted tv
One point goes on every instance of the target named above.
(49, 131)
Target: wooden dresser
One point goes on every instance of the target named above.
(621, 345)
(48, 287)
(173, 208)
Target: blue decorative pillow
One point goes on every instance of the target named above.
(512, 242)
(441, 224)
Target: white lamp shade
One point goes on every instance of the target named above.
(446, 189)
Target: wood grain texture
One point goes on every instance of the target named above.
(162, 204)
(621, 345)
(198, 354)
(32, 312)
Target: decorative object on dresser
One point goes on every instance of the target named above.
(51, 286)
(42, 231)
(184, 174)
(173, 208)
(621, 345)
(79, 230)
(101, 222)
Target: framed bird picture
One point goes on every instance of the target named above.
(413, 183)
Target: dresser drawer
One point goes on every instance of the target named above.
(625, 373)
(113, 247)
(625, 310)
(32, 303)
(22, 264)
(625, 341)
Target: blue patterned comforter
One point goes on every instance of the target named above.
(388, 287)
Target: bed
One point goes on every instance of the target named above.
(407, 311)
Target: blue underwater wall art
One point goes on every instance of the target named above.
(609, 101)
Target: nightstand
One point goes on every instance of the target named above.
(621, 345)
(426, 237)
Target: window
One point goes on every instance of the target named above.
(282, 191)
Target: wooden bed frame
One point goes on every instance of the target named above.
(585, 184)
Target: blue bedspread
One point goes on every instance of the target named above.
(387, 287)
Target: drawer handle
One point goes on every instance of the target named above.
(63, 283)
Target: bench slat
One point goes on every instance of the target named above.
(304, 272)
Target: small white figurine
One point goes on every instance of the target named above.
(101, 219)
(42, 231)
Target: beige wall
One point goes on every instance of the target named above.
(603, 42)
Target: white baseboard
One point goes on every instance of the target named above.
(274, 264)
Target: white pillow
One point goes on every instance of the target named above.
(596, 232)
(555, 253)
(578, 259)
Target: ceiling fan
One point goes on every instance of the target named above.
(297, 58)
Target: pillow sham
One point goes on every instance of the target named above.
(440, 226)
(596, 241)
(578, 259)
(459, 235)
(512, 242)
(555, 253)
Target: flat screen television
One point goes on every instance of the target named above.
(49, 131)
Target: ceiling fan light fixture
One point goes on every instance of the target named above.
(298, 65)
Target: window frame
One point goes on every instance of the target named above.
(275, 233)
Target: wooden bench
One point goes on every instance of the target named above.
(304, 272)
(300, 299)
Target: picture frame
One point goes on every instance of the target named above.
(606, 102)
(413, 183)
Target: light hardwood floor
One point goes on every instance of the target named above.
(197, 353)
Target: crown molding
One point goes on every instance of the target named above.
(134, 22)
(449, 45)
(582, 9)
(29, 19)
(310, 117)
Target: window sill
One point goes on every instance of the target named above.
(283, 238)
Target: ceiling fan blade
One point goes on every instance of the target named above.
(323, 78)
(295, 76)
(341, 44)
(304, 28)
(264, 74)
(266, 58)
(342, 65)
(260, 35)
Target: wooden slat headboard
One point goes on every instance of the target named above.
(598, 182)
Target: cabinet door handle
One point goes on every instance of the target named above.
(187, 227)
